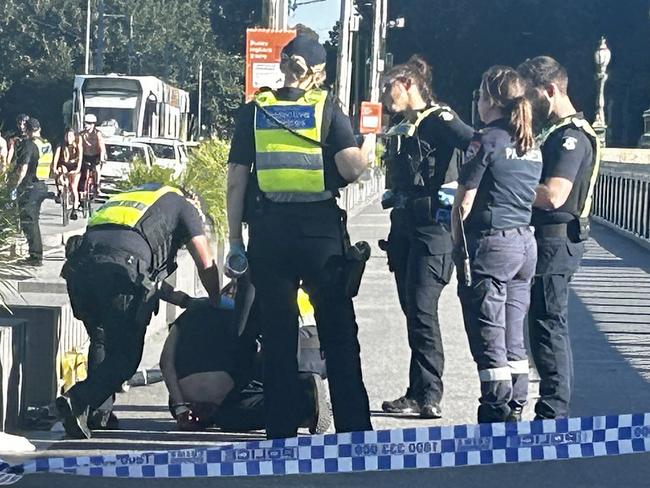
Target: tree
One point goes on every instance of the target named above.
(42, 47)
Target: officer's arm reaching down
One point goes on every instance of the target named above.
(199, 249)
(237, 181)
(553, 193)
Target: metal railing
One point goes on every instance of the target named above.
(622, 198)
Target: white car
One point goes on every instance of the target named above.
(170, 153)
(120, 156)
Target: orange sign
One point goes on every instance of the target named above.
(371, 118)
(263, 49)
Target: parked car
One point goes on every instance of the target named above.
(170, 153)
(120, 156)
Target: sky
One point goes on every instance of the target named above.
(319, 16)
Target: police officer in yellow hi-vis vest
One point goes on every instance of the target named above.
(571, 159)
(292, 150)
(115, 275)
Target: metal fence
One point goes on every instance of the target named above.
(622, 198)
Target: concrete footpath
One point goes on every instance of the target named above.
(609, 316)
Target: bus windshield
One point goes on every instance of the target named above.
(120, 117)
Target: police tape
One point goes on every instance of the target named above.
(397, 449)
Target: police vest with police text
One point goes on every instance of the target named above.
(289, 153)
(132, 209)
(585, 188)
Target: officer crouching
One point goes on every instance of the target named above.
(494, 202)
(115, 276)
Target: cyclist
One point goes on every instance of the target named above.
(93, 149)
(66, 167)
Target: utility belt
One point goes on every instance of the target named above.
(82, 260)
(426, 210)
(576, 231)
(501, 232)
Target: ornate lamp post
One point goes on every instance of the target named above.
(602, 57)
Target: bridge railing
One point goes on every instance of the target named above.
(622, 198)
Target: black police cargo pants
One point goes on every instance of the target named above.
(290, 243)
(109, 304)
(494, 312)
(29, 204)
(557, 261)
(421, 270)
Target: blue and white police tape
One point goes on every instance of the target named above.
(425, 447)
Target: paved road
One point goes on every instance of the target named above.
(609, 310)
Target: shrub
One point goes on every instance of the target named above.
(205, 175)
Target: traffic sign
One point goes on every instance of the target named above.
(371, 118)
(263, 53)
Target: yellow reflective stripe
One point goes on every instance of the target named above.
(420, 118)
(586, 208)
(290, 180)
(128, 208)
(267, 141)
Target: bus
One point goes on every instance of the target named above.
(141, 106)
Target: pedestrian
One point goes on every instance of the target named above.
(115, 276)
(29, 192)
(301, 150)
(66, 167)
(571, 160)
(93, 149)
(14, 138)
(3, 157)
(419, 244)
(496, 189)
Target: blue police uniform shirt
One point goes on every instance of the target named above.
(567, 153)
(505, 182)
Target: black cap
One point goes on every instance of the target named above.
(22, 118)
(33, 125)
(310, 49)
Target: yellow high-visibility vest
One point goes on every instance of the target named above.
(129, 207)
(286, 164)
(584, 207)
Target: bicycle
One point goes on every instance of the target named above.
(87, 192)
(65, 197)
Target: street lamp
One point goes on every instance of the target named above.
(602, 57)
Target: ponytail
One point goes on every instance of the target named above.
(521, 124)
(507, 90)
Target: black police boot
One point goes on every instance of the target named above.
(430, 410)
(32, 261)
(403, 404)
(75, 420)
(320, 409)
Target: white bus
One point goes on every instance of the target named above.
(141, 106)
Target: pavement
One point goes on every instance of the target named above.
(609, 313)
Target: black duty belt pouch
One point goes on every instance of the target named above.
(422, 210)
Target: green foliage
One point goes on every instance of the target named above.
(8, 232)
(42, 48)
(206, 175)
(142, 174)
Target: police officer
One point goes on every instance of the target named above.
(115, 276)
(19, 134)
(29, 191)
(301, 150)
(419, 245)
(494, 198)
(570, 152)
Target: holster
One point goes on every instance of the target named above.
(356, 257)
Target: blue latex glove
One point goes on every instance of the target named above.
(236, 261)
(14, 194)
